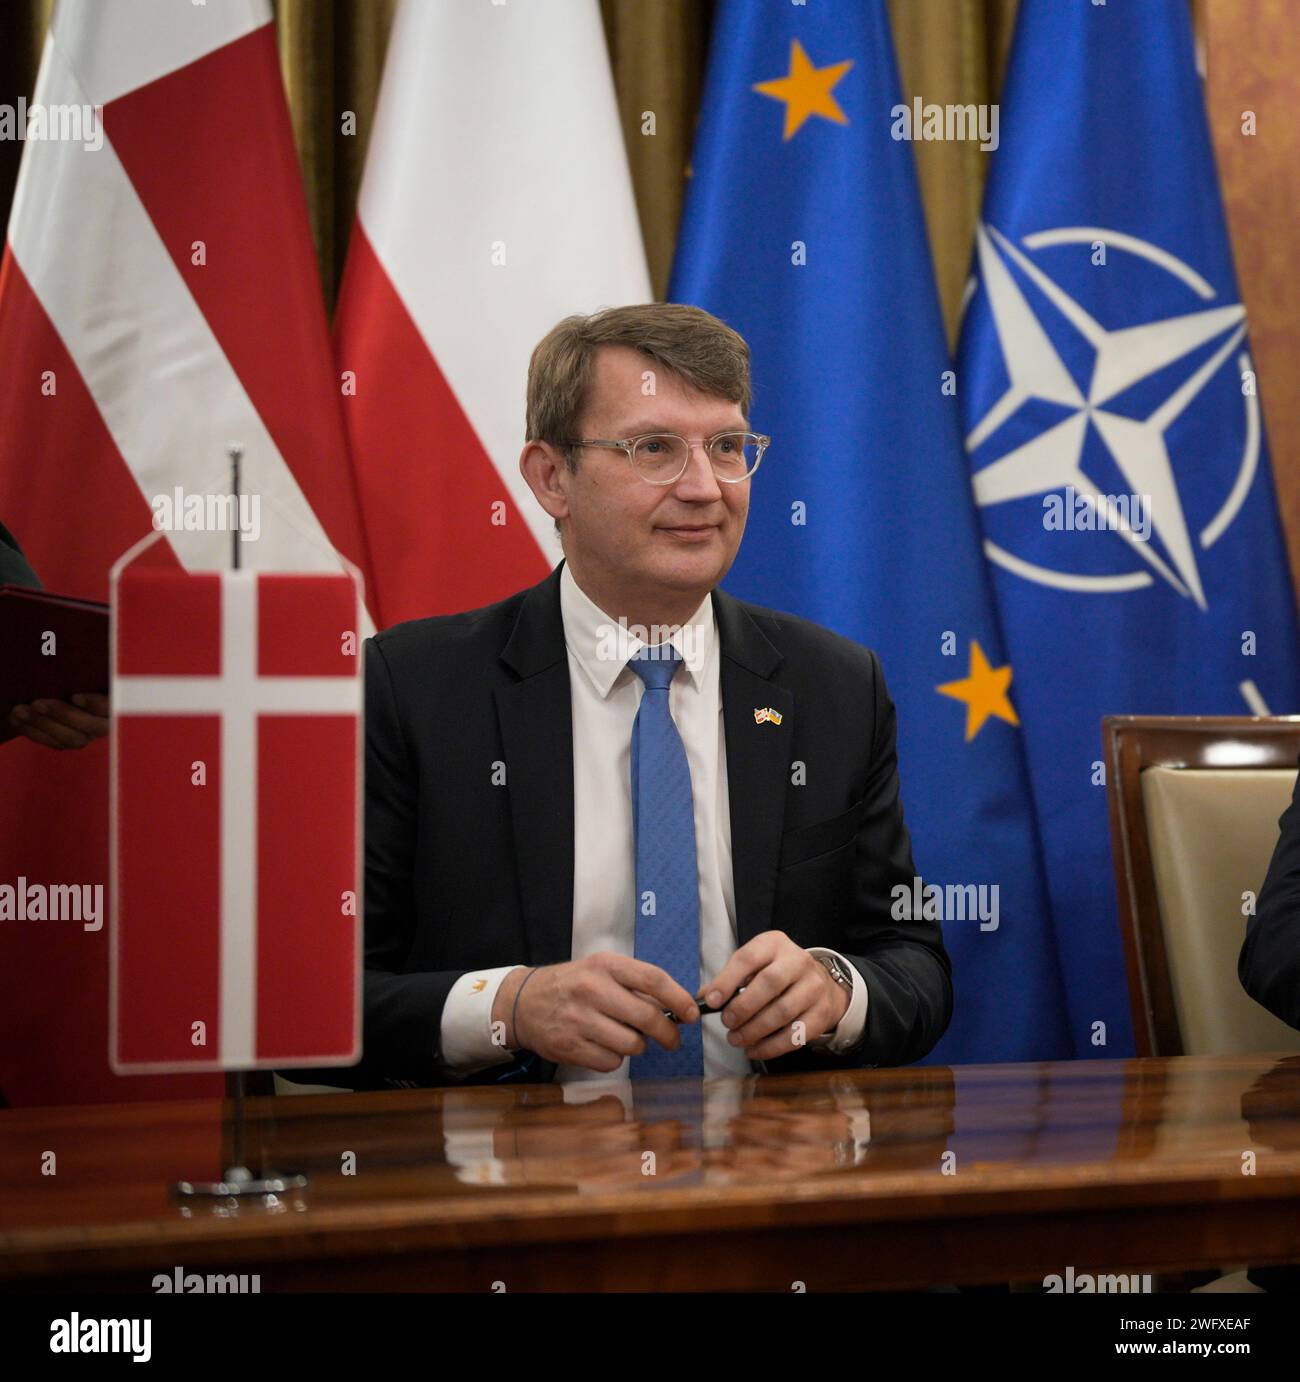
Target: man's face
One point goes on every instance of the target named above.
(626, 534)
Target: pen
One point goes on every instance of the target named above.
(705, 1010)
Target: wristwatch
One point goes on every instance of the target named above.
(839, 972)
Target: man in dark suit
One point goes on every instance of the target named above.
(1269, 964)
(602, 809)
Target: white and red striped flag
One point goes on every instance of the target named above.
(236, 828)
(496, 200)
(159, 299)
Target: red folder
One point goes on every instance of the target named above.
(34, 665)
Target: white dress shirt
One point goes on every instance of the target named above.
(605, 694)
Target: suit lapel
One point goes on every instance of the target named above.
(536, 720)
(758, 761)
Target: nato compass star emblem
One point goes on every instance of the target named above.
(1180, 354)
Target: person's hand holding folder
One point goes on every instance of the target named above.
(70, 724)
(54, 672)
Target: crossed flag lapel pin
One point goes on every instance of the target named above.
(766, 715)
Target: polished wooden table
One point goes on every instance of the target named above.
(862, 1179)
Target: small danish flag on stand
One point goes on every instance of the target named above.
(235, 822)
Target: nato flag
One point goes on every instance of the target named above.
(1113, 424)
(803, 230)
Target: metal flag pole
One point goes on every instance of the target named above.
(237, 1180)
(236, 454)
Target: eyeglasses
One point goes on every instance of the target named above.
(660, 458)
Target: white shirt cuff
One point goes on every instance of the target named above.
(854, 1022)
(467, 1041)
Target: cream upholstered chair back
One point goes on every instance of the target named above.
(1194, 806)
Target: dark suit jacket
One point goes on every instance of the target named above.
(463, 873)
(14, 570)
(14, 567)
(1269, 964)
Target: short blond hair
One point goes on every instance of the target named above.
(701, 350)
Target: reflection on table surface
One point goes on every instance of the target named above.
(882, 1139)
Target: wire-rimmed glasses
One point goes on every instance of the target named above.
(660, 458)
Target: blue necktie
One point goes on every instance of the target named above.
(667, 883)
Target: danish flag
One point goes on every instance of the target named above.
(236, 884)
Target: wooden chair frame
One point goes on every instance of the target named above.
(1131, 744)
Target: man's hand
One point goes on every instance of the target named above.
(62, 724)
(784, 985)
(594, 1011)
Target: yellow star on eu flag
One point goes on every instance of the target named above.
(984, 690)
(806, 91)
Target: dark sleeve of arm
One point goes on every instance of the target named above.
(1269, 964)
(14, 570)
(904, 962)
(14, 567)
(401, 1029)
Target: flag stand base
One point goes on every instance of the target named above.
(238, 1181)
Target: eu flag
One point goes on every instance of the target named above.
(1113, 424)
(803, 230)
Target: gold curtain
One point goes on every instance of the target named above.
(952, 52)
(949, 51)
(1252, 80)
(332, 54)
(22, 34)
(657, 55)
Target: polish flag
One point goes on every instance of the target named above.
(496, 200)
(159, 299)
